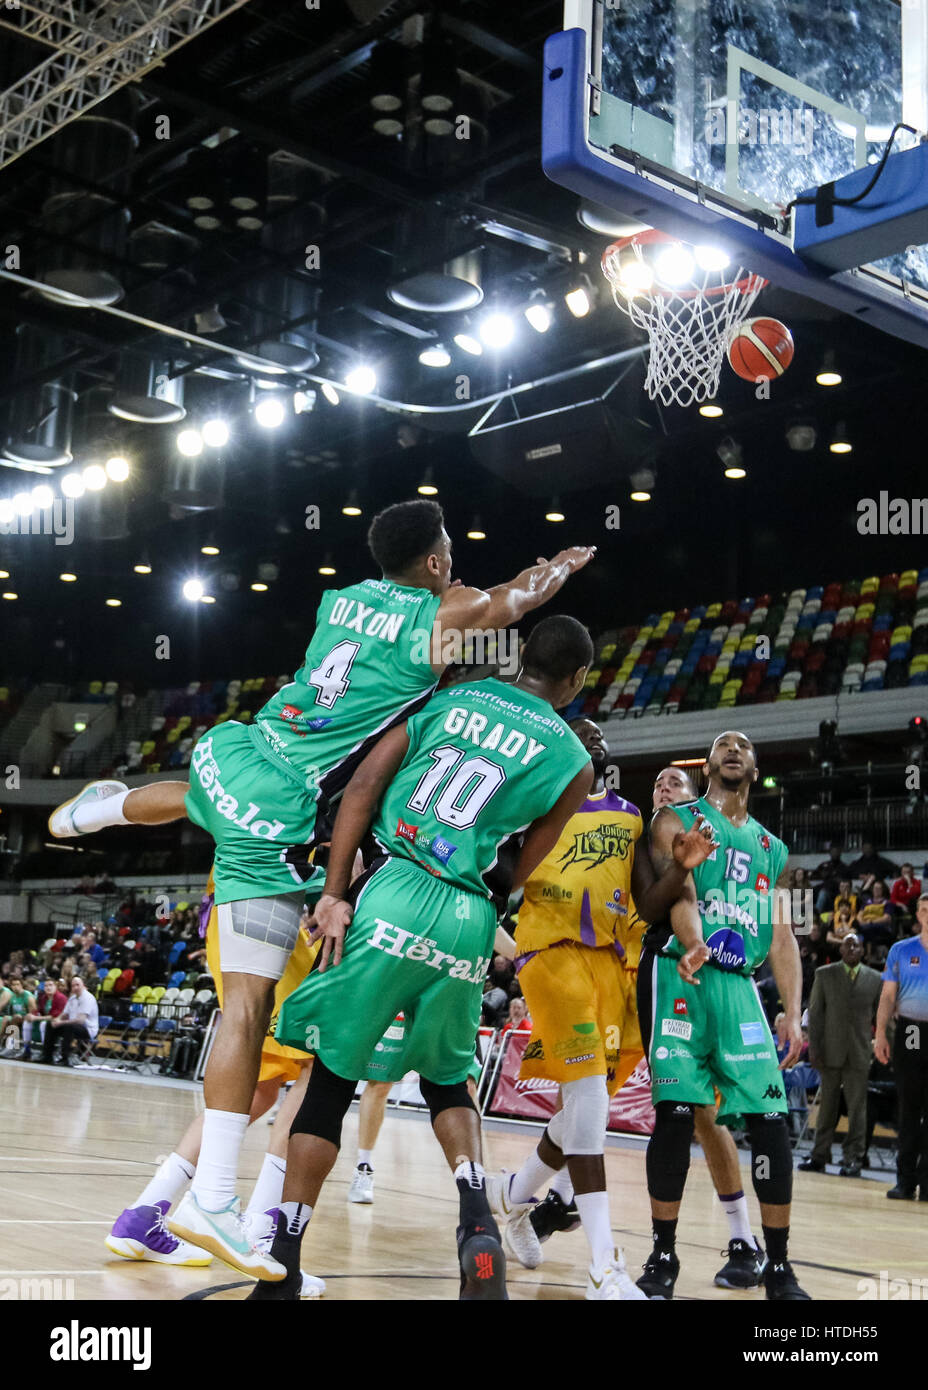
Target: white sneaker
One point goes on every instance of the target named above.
(60, 822)
(224, 1234)
(519, 1236)
(261, 1227)
(612, 1283)
(362, 1184)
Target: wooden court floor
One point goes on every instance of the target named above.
(77, 1147)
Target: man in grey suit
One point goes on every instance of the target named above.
(841, 1012)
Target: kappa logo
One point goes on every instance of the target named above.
(773, 1092)
(584, 1057)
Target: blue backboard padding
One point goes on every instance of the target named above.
(569, 161)
(893, 215)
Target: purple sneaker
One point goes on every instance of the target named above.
(139, 1233)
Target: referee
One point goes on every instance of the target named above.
(905, 993)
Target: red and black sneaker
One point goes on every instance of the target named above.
(482, 1262)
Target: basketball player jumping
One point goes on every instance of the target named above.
(474, 790)
(265, 793)
(708, 1028)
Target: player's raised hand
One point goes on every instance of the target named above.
(574, 557)
(790, 1032)
(689, 963)
(331, 918)
(692, 847)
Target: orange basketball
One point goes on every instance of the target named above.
(761, 348)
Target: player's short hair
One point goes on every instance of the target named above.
(922, 898)
(557, 647)
(401, 534)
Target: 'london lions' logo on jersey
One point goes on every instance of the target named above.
(594, 847)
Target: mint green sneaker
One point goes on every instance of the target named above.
(60, 821)
(224, 1234)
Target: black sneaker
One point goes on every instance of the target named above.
(660, 1274)
(901, 1194)
(284, 1291)
(482, 1262)
(745, 1267)
(811, 1165)
(780, 1283)
(849, 1170)
(554, 1214)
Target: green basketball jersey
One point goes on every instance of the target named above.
(485, 760)
(735, 889)
(366, 668)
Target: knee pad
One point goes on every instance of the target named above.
(584, 1116)
(325, 1105)
(668, 1157)
(771, 1159)
(439, 1098)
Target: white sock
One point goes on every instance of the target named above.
(296, 1215)
(471, 1172)
(562, 1185)
(217, 1169)
(531, 1176)
(366, 1156)
(269, 1188)
(594, 1213)
(100, 812)
(168, 1183)
(735, 1207)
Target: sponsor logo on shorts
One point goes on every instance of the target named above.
(663, 1053)
(773, 1092)
(747, 1056)
(571, 1047)
(762, 883)
(584, 1057)
(535, 1051)
(206, 770)
(679, 1006)
(666, 1081)
(407, 832)
(584, 1027)
(396, 941)
(442, 849)
(752, 1033)
(676, 1028)
(727, 949)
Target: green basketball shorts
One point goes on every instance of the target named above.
(416, 946)
(260, 816)
(712, 1036)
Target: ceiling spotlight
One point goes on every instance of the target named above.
(94, 477)
(829, 376)
(387, 86)
(579, 300)
(117, 468)
(362, 380)
(554, 512)
(468, 344)
(114, 603)
(304, 401)
(330, 393)
(42, 496)
(193, 590)
(427, 487)
(259, 588)
(23, 504)
(711, 412)
(497, 330)
(642, 484)
(476, 532)
(10, 595)
(215, 433)
(736, 471)
(189, 443)
(674, 264)
(711, 258)
(72, 485)
(351, 507)
(436, 356)
(801, 437)
(639, 495)
(635, 276)
(327, 567)
(207, 598)
(840, 444)
(4, 574)
(539, 312)
(142, 567)
(269, 412)
(209, 549)
(67, 578)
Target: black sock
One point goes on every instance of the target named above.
(776, 1239)
(475, 1209)
(292, 1220)
(665, 1234)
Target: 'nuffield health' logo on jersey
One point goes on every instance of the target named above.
(442, 849)
(727, 949)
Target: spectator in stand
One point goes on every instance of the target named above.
(501, 973)
(847, 900)
(104, 884)
(830, 873)
(518, 1020)
(843, 924)
(77, 1022)
(905, 993)
(906, 890)
(88, 972)
(49, 1003)
(841, 1012)
(871, 866)
(876, 920)
(495, 1007)
(92, 944)
(15, 1004)
(800, 879)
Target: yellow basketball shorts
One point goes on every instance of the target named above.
(584, 1016)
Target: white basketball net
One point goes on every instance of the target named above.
(689, 325)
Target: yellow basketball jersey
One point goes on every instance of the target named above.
(582, 891)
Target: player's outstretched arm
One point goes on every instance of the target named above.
(654, 897)
(542, 835)
(490, 609)
(359, 802)
(787, 969)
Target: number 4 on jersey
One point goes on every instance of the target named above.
(331, 677)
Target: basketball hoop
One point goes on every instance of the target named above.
(688, 303)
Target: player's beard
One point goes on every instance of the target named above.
(730, 783)
(600, 762)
